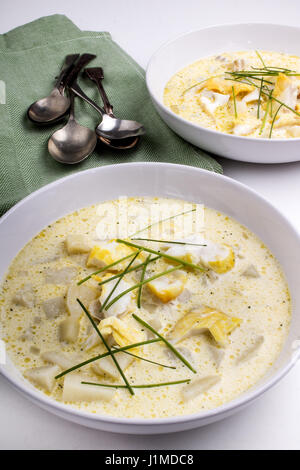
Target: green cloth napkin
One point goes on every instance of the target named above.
(30, 58)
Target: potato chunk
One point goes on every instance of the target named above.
(25, 297)
(199, 386)
(107, 367)
(69, 330)
(251, 350)
(217, 354)
(61, 276)
(76, 244)
(251, 271)
(74, 390)
(84, 293)
(43, 377)
(58, 358)
(54, 307)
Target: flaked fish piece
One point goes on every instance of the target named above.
(95, 309)
(205, 319)
(211, 100)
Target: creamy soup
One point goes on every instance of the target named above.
(204, 295)
(245, 93)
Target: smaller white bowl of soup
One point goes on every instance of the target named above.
(233, 90)
(192, 275)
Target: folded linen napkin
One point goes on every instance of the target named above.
(30, 58)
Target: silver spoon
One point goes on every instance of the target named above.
(73, 143)
(54, 106)
(96, 75)
(110, 127)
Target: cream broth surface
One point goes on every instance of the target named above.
(225, 93)
(242, 284)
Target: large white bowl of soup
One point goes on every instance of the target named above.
(233, 90)
(147, 297)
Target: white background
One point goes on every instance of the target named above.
(140, 27)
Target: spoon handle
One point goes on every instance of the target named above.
(78, 91)
(72, 99)
(96, 75)
(82, 62)
(67, 67)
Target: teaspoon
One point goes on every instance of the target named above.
(73, 143)
(109, 127)
(96, 75)
(54, 106)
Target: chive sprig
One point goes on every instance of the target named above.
(131, 391)
(167, 343)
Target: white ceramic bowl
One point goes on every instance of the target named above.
(55, 200)
(192, 46)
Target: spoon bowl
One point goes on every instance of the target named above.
(73, 143)
(96, 75)
(53, 107)
(50, 108)
(119, 144)
(114, 128)
(110, 127)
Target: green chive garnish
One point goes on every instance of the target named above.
(259, 97)
(260, 58)
(265, 116)
(134, 268)
(164, 255)
(107, 346)
(257, 73)
(104, 269)
(142, 278)
(239, 76)
(199, 83)
(168, 241)
(145, 281)
(169, 345)
(162, 384)
(100, 356)
(273, 121)
(146, 360)
(268, 94)
(119, 280)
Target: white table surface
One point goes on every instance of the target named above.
(140, 27)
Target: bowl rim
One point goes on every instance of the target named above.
(186, 122)
(236, 404)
